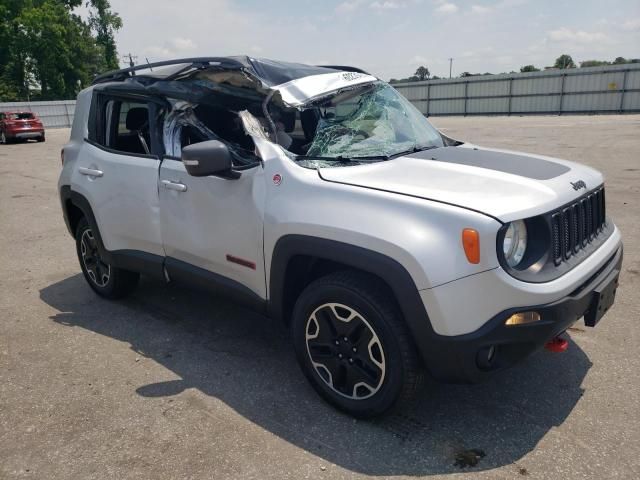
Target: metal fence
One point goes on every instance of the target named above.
(609, 89)
(54, 114)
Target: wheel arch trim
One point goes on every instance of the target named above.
(80, 201)
(386, 268)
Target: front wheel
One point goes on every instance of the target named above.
(105, 279)
(353, 345)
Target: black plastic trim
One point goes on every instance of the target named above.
(447, 358)
(514, 343)
(65, 195)
(386, 268)
(138, 261)
(183, 272)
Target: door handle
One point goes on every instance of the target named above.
(91, 172)
(179, 187)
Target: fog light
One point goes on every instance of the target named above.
(522, 318)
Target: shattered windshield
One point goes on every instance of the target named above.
(369, 123)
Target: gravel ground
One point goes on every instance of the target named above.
(171, 383)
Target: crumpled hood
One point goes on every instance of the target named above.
(503, 184)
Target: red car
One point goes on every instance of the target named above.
(20, 126)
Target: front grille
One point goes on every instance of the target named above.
(575, 226)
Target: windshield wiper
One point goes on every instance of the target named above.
(367, 158)
(415, 149)
(341, 158)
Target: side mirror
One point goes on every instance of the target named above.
(208, 158)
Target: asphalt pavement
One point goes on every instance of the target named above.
(176, 384)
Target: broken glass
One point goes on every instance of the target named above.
(180, 116)
(183, 115)
(375, 121)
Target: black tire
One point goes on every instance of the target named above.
(41, 139)
(389, 364)
(106, 280)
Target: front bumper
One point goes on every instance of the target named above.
(462, 357)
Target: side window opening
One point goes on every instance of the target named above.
(124, 126)
(129, 125)
(189, 123)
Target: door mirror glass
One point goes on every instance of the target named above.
(207, 158)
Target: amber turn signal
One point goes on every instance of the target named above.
(471, 244)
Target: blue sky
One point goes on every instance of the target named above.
(389, 38)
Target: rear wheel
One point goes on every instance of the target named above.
(41, 139)
(105, 279)
(353, 346)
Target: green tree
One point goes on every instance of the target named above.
(620, 61)
(594, 63)
(564, 61)
(13, 82)
(529, 68)
(49, 52)
(422, 73)
(61, 55)
(105, 23)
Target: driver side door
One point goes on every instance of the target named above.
(212, 229)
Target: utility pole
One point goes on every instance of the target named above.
(130, 59)
(450, 65)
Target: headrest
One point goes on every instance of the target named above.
(289, 120)
(137, 118)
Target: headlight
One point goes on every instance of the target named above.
(515, 242)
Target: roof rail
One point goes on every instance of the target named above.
(118, 75)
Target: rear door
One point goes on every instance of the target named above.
(117, 172)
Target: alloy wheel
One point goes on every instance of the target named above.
(97, 269)
(345, 351)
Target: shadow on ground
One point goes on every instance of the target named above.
(245, 360)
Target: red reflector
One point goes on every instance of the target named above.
(557, 345)
(241, 261)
